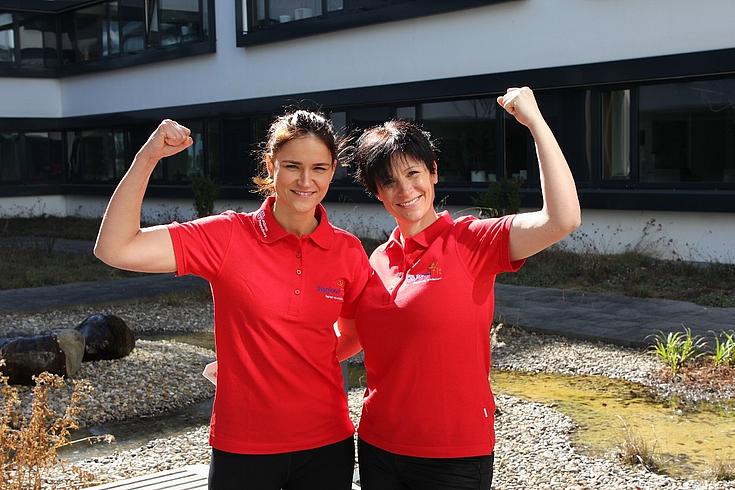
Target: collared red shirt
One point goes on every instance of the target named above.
(276, 298)
(424, 322)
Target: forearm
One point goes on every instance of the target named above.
(348, 342)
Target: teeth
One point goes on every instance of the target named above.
(409, 203)
(303, 194)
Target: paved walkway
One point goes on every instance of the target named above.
(611, 318)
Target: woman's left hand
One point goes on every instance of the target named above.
(521, 104)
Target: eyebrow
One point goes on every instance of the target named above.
(301, 163)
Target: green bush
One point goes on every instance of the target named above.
(724, 354)
(500, 199)
(205, 193)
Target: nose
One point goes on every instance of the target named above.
(304, 177)
(403, 185)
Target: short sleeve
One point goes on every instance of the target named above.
(484, 245)
(360, 276)
(201, 245)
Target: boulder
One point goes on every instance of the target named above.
(56, 352)
(106, 337)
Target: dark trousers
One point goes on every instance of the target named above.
(323, 468)
(383, 470)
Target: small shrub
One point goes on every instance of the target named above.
(676, 348)
(635, 450)
(500, 199)
(723, 471)
(205, 193)
(28, 445)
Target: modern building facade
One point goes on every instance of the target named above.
(640, 93)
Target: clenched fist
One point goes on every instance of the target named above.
(521, 104)
(168, 139)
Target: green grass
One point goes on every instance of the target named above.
(631, 274)
(70, 228)
(34, 267)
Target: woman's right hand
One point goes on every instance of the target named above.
(168, 139)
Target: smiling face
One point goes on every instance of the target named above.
(302, 169)
(408, 194)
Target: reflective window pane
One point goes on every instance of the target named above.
(271, 12)
(9, 157)
(179, 21)
(465, 134)
(187, 164)
(132, 25)
(686, 132)
(7, 38)
(616, 134)
(37, 35)
(569, 114)
(43, 157)
(90, 27)
(95, 156)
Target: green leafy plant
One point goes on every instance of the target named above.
(205, 193)
(500, 199)
(677, 348)
(724, 353)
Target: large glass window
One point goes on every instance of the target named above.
(270, 12)
(97, 155)
(187, 164)
(465, 132)
(569, 114)
(616, 134)
(7, 38)
(90, 29)
(179, 21)
(43, 154)
(37, 34)
(10, 157)
(686, 132)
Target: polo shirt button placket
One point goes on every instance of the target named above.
(298, 285)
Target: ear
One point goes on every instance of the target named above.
(269, 166)
(435, 175)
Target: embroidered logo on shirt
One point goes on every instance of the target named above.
(261, 222)
(337, 294)
(433, 273)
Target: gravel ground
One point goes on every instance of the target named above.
(534, 448)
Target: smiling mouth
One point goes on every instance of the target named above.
(304, 194)
(408, 204)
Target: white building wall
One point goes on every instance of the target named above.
(510, 36)
(699, 237)
(30, 97)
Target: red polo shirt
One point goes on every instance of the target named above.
(424, 322)
(276, 298)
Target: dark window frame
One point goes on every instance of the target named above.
(359, 13)
(207, 45)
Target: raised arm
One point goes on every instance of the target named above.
(560, 214)
(121, 242)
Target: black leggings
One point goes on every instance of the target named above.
(383, 470)
(323, 468)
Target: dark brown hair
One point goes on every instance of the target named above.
(376, 149)
(288, 127)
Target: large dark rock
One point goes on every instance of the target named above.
(58, 352)
(106, 337)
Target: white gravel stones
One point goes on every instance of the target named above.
(534, 449)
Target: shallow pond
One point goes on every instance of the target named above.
(689, 441)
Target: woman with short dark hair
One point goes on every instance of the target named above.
(425, 315)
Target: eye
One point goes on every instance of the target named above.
(292, 166)
(320, 169)
(413, 173)
(388, 183)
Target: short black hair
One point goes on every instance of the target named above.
(377, 147)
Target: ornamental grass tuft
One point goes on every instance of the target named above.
(677, 348)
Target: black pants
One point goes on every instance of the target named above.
(383, 470)
(323, 468)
